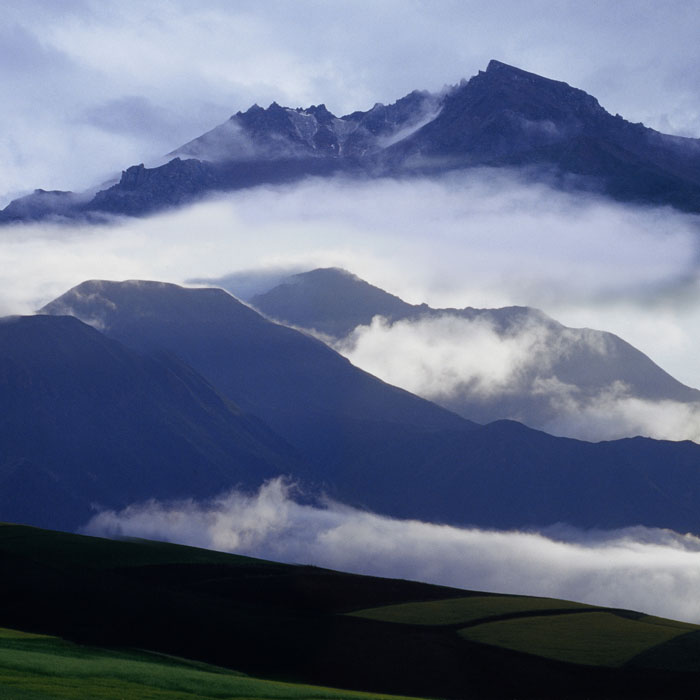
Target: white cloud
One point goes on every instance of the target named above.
(482, 239)
(614, 414)
(439, 357)
(484, 372)
(654, 571)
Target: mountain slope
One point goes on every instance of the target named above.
(502, 117)
(507, 116)
(86, 422)
(374, 446)
(558, 373)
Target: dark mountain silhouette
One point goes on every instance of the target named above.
(372, 445)
(295, 383)
(85, 421)
(507, 116)
(502, 117)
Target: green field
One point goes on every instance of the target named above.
(596, 638)
(137, 619)
(453, 611)
(40, 666)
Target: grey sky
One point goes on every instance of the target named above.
(90, 87)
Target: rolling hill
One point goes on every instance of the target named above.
(144, 603)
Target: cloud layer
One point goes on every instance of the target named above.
(654, 571)
(482, 239)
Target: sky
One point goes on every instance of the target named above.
(92, 86)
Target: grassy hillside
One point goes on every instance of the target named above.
(104, 603)
(40, 666)
(553, 629)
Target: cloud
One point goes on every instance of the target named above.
(527, 368)
(442, 356)
(654, 571)
(483, 238)
(614, 413)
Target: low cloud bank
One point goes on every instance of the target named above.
(613, 414)
(528, 369)
(483, 238)
(651, 570)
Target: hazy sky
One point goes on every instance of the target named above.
(91, 86)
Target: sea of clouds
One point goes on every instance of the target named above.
(650, 570)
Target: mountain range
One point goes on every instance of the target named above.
(88, 423)
(561, 371)
(314, 417)
(502, 117)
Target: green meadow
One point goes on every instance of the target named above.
(595, 639)
(455, 611)
(40, 666)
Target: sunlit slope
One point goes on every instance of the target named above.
(40, 666)
(304, 625)
(597, 638)
(455, 611)
(556, 629)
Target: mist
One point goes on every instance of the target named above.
(650, 570)
(482, 238)
(551, 378)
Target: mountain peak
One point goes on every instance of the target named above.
(499, 65)
(529, 81)
(495, 66)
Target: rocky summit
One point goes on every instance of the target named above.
(502, 117)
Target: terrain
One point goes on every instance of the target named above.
(502, 117)
(87, 423)
(136, 616)
(373, 446)
(559, 371)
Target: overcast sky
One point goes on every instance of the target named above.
(91, 86)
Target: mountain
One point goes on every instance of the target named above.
(502, 117)
(86, 422)
(372, 445)
(191, 607)
(561, 371)
(303, 389)
(507, 116)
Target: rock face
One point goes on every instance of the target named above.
(506, 116)
(502, 117)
